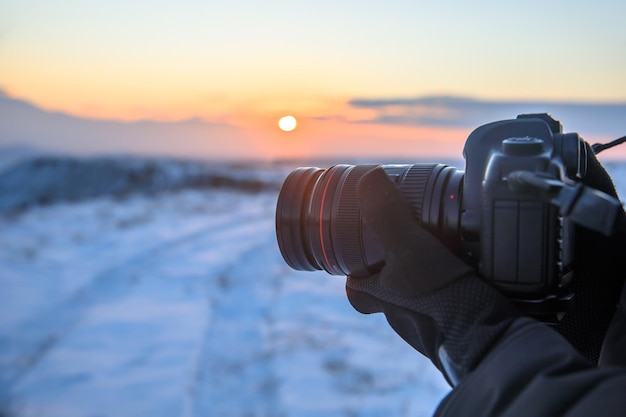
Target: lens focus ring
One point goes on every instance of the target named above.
(348, 228)
(414, 187)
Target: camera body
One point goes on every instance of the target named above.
(509, 230)
(522, 243)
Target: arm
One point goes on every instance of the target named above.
(533, 371)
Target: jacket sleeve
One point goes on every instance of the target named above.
(533, 371)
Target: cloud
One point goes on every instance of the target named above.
(607, 119)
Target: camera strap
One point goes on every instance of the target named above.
(599, 147)
(579, 203)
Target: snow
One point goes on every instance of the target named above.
(180, 304)
(176, 302)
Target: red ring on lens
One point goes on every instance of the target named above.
(333, 270)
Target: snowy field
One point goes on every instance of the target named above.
(176, 302)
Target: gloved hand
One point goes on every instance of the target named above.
(430, 297)
(599, 273)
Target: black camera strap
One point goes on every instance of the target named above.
(581, 204)
(599, 147)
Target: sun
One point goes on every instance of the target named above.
(287, 123)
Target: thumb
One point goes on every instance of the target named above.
(416, 262)
(384, 209)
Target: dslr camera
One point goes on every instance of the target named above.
(511, 214)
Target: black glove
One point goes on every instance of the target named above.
(430, 297)
(598, 275)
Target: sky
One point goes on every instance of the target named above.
(392, 75)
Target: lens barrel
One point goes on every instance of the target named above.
(319, 224)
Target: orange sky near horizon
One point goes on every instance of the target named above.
(332, 138)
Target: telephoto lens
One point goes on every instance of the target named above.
(319, 224)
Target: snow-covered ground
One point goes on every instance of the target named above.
(176, 302)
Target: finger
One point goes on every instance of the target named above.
(361, 301)
(384, 209)
(415, 261)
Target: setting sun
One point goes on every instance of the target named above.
(287, 123)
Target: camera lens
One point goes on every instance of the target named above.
(319, 225)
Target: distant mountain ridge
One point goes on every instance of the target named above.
(22, 123)
(45, 180)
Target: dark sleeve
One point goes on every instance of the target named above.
(533, 371)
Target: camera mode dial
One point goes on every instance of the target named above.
(526, 146)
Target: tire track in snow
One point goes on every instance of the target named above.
(42, 333)
(232, 378)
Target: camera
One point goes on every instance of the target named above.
(511, 213)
